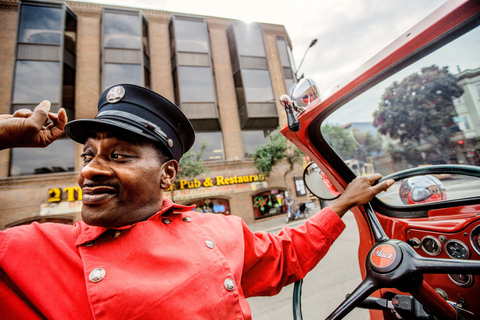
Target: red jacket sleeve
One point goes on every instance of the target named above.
(274, 261)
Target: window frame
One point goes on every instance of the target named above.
(136, 56)
(65, 58)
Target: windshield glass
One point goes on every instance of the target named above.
(425, 114)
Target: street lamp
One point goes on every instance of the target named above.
(311, 45)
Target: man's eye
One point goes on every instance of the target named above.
(86, 157)
(119, 156)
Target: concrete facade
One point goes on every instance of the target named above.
(54, 197)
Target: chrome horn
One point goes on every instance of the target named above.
(304, 93)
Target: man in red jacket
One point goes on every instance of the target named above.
(137, 254)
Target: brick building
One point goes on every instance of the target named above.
(226, 75)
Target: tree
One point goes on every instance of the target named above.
(341, 139)
(367, 144)
(275, 151)
(419, 107)
(190, 165)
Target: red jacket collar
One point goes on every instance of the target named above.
(91, 233)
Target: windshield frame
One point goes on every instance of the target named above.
(447, 23)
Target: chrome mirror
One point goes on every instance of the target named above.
(318, 184)
(422, 189)
(305, 92)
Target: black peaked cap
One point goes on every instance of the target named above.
(141, 111)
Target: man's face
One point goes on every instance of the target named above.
(121, 180)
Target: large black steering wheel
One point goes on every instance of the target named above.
(393, 263)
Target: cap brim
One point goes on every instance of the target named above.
(80, 130)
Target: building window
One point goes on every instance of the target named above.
(191, 35)
(57, 157)
(122, 73)
(36, 81)
(286, 59)
(45, 70)
(212, 144)
(194, 83)
(257, 86)
(300, 186)
(462, 123)
(126, 48)
(40, 24)
(221, 206)
(269, 203)
(70, 34)
(252, 139)
(253, 86)
(249, 40)
(122, 30)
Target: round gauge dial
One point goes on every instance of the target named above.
(456, 249)
(462, 280)
(475, 239)
(431, 245)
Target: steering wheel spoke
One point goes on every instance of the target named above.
(395, 264)
(367, 287)
(379, 234)
(432, 265)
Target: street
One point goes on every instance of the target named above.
(325, 287)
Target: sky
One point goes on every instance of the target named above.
(349, 32)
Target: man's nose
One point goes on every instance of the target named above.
(96, 167)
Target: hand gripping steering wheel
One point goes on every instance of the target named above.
(395, 264)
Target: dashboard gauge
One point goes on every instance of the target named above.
(431, 246)
(475, 239)
(456, 249)
(462, 280)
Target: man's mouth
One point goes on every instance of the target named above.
(97, 195)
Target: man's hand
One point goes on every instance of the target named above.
(359, 192)
(30, 129)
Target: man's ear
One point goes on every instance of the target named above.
(169, 173)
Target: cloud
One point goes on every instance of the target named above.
(352, 33)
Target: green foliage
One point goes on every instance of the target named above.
(421, 105)
(341, 139)
(191, 163)
(275, 151)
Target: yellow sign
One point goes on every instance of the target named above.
(75, 193)
(217, 190)
(219, 181)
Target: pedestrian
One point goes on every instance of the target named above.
(137, 255)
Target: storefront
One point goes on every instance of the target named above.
(269, 203)
(215, 205)
(248, 194)
(217, 192)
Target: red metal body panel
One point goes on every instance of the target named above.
(453, 223)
